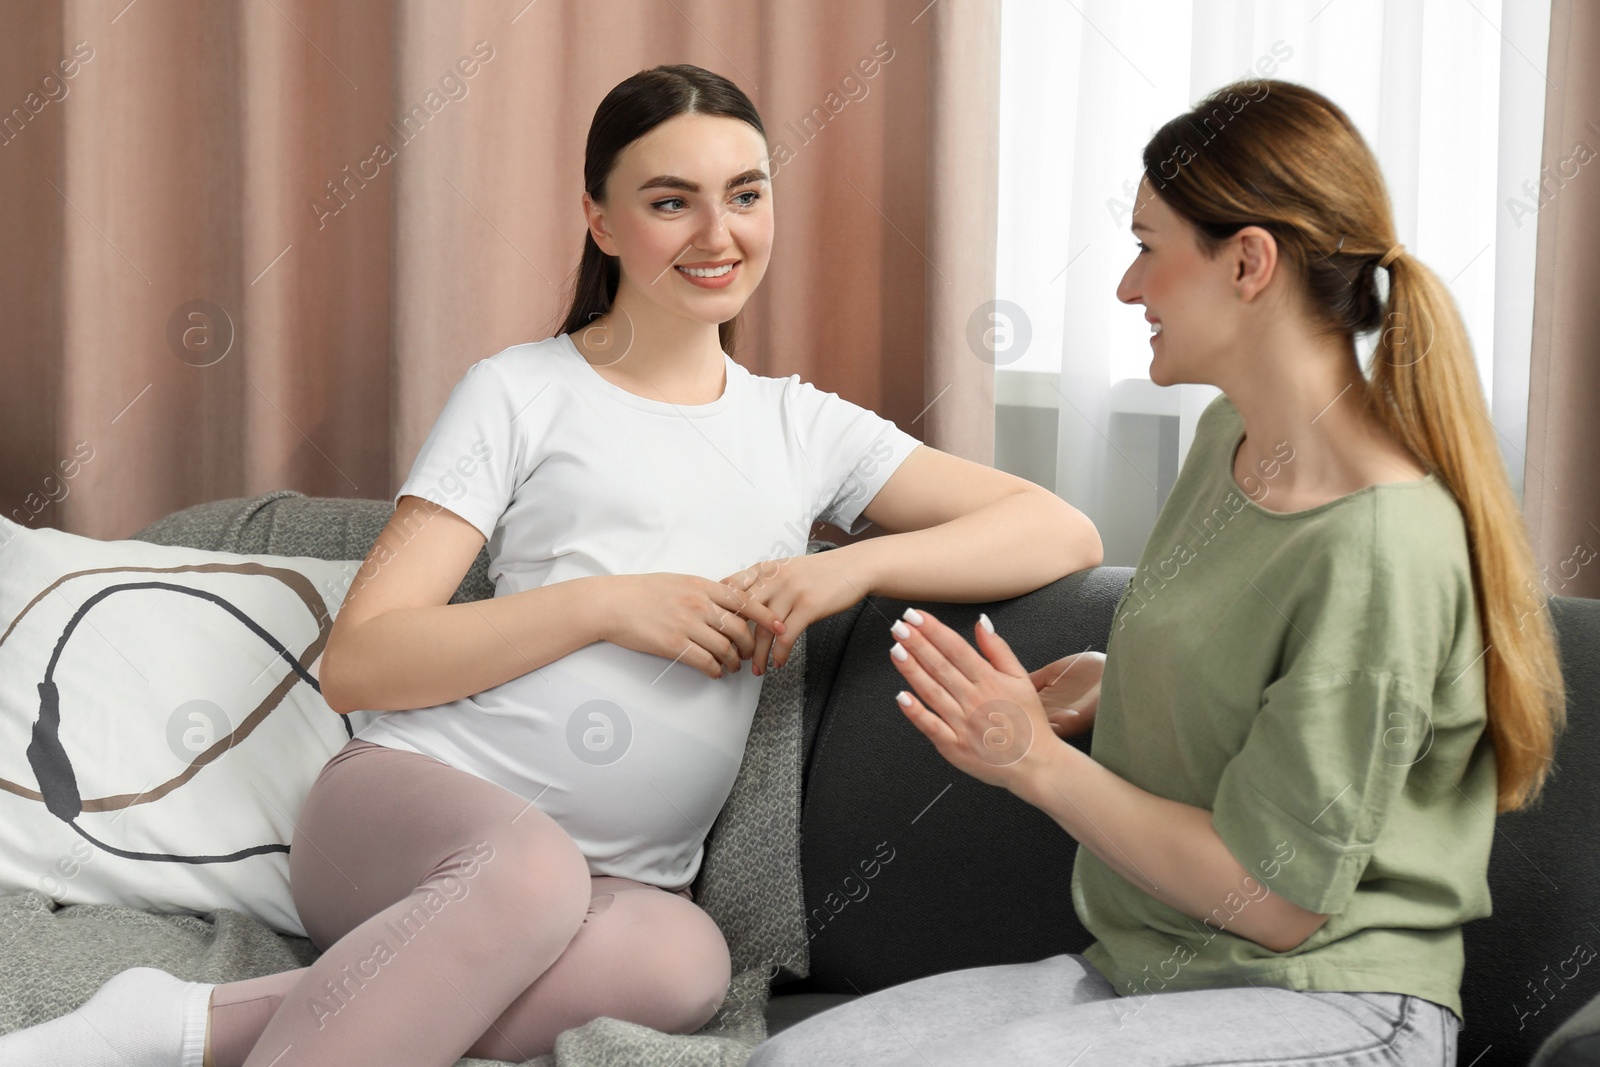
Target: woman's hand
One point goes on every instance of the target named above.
(987, 718)
(1070, 691)
(799, 590)
(687, 618)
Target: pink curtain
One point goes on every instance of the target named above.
(252, 245)
(1561, 488)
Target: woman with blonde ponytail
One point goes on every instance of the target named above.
(1330, 671)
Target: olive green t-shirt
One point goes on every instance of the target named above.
(1314, 680)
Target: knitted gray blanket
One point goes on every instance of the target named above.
(52, 958)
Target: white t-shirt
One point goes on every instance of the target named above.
(568, 474)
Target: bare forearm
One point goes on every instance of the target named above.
(1015, 545)
(419, 657)
(1168, 849)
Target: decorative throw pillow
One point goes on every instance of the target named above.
(160, 720)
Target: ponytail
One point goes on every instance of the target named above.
(1424, 386)
(593, 286)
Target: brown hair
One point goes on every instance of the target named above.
(1280, 156)
(637, 105)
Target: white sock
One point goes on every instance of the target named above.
(142, 1017)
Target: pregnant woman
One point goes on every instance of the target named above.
(507, 853)
(1329, 672)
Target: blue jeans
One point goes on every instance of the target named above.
(1061, 1011)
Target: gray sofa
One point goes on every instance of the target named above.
(974, 877)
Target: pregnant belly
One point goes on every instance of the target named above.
(626, 745)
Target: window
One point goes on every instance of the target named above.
(1450, 95)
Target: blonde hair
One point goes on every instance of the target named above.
(1283, 157)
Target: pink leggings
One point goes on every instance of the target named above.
(455, 918)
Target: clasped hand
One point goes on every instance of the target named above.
(798, 590)
(713, 626)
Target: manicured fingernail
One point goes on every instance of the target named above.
(913, 616)
(903, 698)
(900, 630)
(1072, 711)
(899, 652)
(983, 621)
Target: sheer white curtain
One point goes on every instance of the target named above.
(1450, 94)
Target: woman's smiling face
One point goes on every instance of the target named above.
(692, 194)
(1189, 297)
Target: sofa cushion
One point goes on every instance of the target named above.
(910, 866)
(143, 690)
(288, 523)
(1536, 960)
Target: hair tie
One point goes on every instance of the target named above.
(1391, 255)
